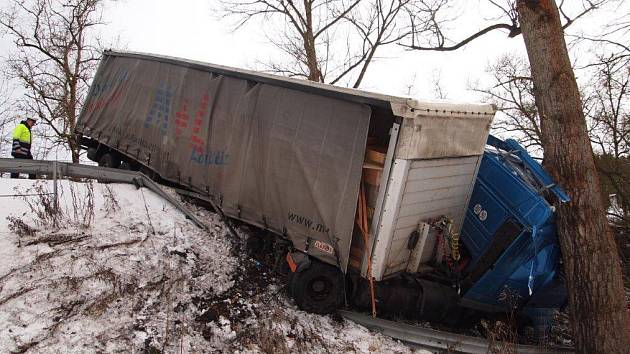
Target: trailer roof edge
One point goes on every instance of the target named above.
(401, 106)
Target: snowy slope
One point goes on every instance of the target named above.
(136, 276)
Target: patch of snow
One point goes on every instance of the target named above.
(117, 281)
(122, 270)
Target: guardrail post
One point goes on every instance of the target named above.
(55, 190)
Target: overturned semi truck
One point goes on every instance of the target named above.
(389, 202)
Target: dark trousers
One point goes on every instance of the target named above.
(17, 175)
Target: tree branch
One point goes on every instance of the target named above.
(514, 31)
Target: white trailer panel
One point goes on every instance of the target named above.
(420, 190)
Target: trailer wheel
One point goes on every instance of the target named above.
(109, 160)
(317, 289)
(92, 154)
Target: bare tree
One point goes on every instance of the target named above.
(55, 56)
(610, 120)
(606, 104)
(611, 114)
(611, 43)
(593, 270)
(438, 90)
(6, 119)
(512, 91)
(594, 281)
(606, 99)
(507, 9)
(332, 41)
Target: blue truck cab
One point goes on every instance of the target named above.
(510, 234)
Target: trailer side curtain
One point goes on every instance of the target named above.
(275, 157)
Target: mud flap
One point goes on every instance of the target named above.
(298, 261)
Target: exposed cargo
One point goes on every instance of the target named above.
(367, 193)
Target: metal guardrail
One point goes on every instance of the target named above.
(443, 341)
(55, 169)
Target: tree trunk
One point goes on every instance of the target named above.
(310, 50)
(597, 301)
(74, 148)
(314, 74)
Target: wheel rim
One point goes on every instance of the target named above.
(106, 161)
(320, 288)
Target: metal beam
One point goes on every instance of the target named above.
(432, 339)
(102, 174)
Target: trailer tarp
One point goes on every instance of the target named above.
(283, 159)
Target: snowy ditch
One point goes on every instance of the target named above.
(118, 269)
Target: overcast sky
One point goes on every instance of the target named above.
(188, 29)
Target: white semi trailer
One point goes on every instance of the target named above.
(362, 186)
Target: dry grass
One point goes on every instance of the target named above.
(46, 213)
(42, 206)
(503, 335)
(81, 213)
(502, 338)
(21, 228)
(111, 203)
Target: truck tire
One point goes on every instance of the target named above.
(129, 166)
(92, 154)
(318, 289)
(109, 160)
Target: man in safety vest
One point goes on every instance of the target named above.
(22, 139)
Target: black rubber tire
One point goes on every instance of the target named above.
(129, 166)
(318, 289)
(109, 160)
(92, 154)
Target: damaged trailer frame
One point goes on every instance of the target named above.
(354, 181)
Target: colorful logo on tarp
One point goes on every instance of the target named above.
(160, 109)
(199, 154)
(106, 92)
(210, 157)
(181, 118)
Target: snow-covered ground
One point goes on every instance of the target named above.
(121, 270)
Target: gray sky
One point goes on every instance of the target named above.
(187, 29)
